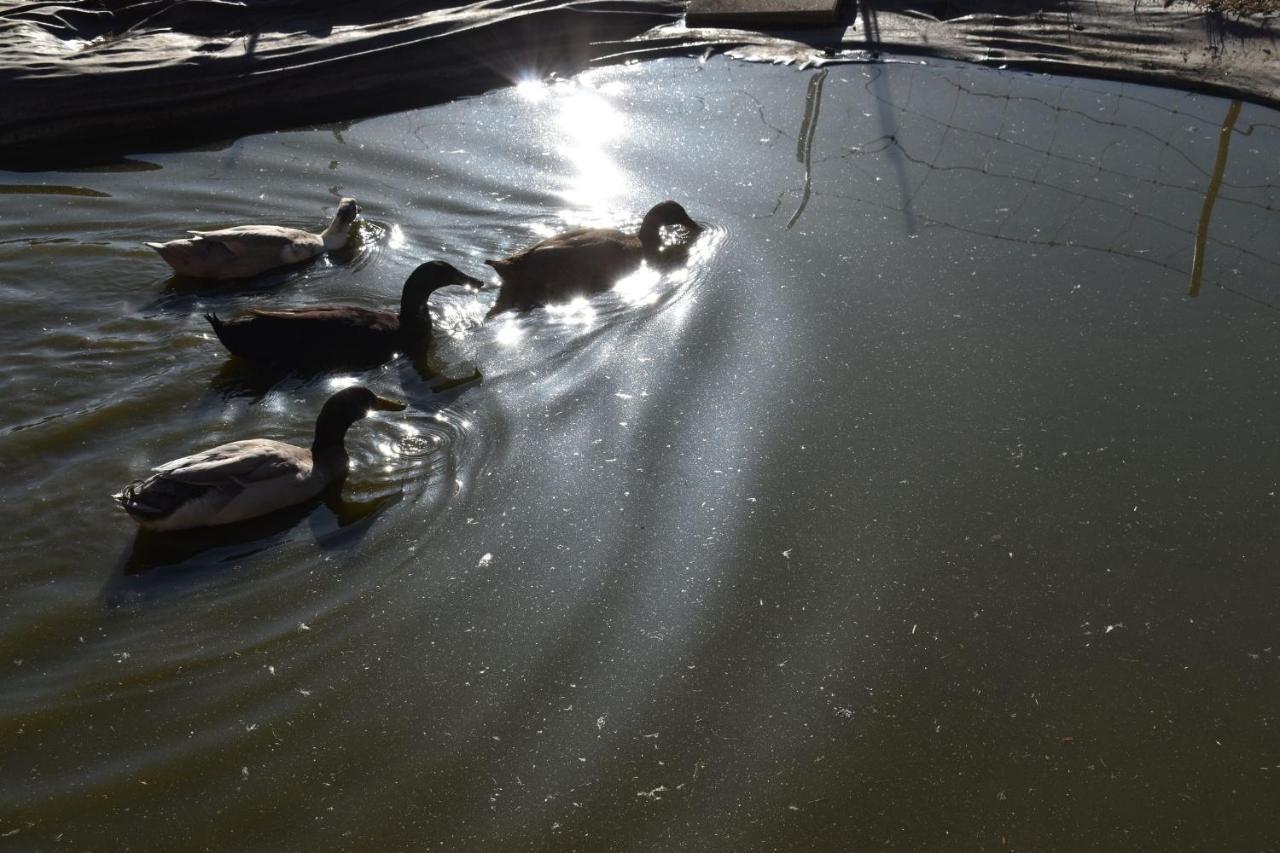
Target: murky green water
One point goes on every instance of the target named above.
(925, 510)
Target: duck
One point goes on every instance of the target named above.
(583, 261)
(248, 250)
(250, 478)
(339, 334)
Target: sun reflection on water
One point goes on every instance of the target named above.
(396, 238)
(455, 317)
(586, 124)
(641, 287)
(337, 383)
(532, 89)
(586, 128)
(576, 312)
(510, 332)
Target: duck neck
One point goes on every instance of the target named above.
(331, 435)
(335, 236)
(415, 327)
(651, 238)
(415, 318)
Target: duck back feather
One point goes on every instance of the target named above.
(313, 335)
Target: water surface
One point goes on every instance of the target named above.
(926, 508)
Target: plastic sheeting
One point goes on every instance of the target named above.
(1150, 41)
(87, 81)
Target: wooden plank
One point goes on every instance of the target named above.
(752, 13)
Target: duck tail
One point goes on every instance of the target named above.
(224, 331)
(128, 500)
(157, 497)
(172, 252)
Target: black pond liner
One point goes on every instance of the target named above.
(89, 82)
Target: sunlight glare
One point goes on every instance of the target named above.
(577, 312)
(641, 287)
(531, 89)
(396, 240)
(337, 383)
(509, 333)
(589, 125)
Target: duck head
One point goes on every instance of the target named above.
(335, 236)
(662, 215)
(426, 280)
(348, 210)
(345, 408)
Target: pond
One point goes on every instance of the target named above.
(932, 505)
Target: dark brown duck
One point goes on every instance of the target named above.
(583, 261)
(339, 334)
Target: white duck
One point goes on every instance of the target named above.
(248, 250)
(246, 479)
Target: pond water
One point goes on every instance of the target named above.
(932, 505)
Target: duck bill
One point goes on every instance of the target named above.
(384, 404)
